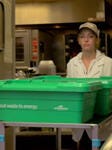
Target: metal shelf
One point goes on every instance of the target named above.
(97, 129)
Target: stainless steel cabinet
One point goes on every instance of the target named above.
(22, 51)
(7, 30)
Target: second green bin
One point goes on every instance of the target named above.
(104, 97)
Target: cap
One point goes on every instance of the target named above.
(90, 26)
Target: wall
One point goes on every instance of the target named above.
(57, 12)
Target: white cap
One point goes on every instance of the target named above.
(90, 26)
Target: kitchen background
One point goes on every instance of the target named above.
(47, 30)
(53, 25)
(35, 30)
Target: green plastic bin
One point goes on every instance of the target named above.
(47, 101)
(103, 104)
(104, 97)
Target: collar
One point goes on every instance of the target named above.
(98, 56)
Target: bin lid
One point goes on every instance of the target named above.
(106, 81)
(64, 85)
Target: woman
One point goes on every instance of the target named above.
(90, 62)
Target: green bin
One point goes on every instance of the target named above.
(44, 101)
(103, 104)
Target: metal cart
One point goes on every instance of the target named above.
(99, 130)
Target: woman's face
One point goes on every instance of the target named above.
(87, 40)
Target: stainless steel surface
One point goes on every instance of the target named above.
(7, 55)
(31, 1)
(58, 139)
(10, 143)
(58, 126)
(93, 127)
(1, 27)
(2, 137)
(23, 48)
(61, 11)
(105, 128)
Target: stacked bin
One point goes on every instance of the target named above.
(50, 100)
(103, 105)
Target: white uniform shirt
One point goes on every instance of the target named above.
(100, 66)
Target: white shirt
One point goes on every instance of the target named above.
(100, 66)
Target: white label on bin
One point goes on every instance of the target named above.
(19, 106)
(61, 107)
